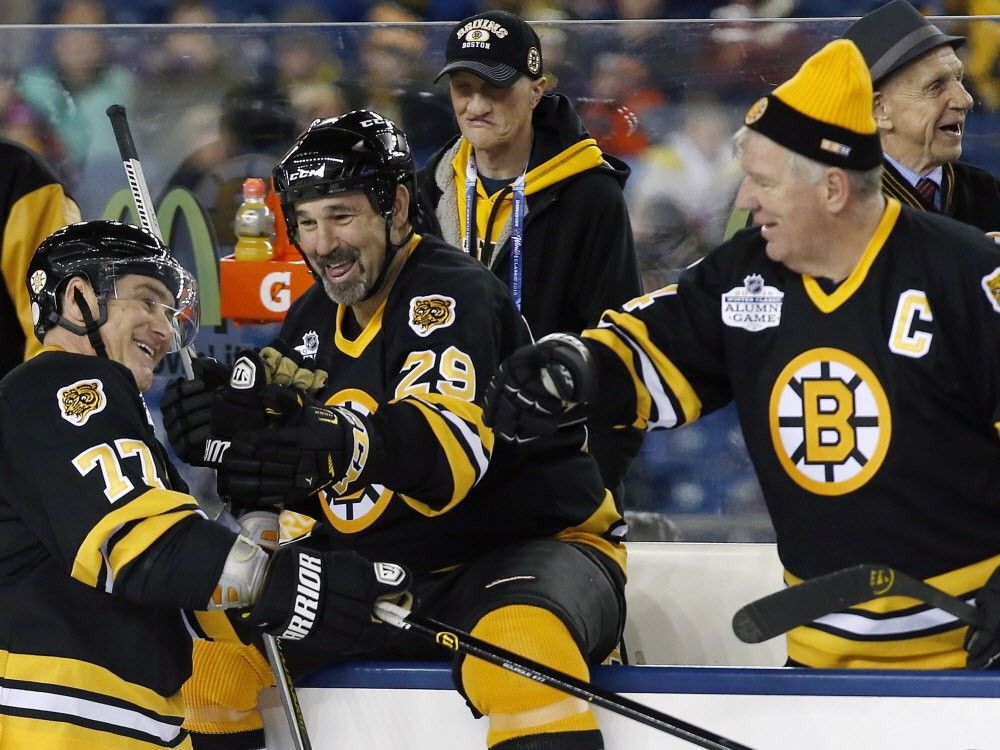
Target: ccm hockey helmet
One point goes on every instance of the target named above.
(360, 150)
(103, 252)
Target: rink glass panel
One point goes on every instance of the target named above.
(210, 106)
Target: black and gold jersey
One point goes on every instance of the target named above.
(449, 492)
(32, 206)
(92, 654)
(870, 412)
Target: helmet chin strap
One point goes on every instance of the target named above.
(390, 252)
(91, 327)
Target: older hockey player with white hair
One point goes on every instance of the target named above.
(860, 341)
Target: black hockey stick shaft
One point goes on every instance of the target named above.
(140, 195)
(797, 605)
(147, 218)
(462, 642)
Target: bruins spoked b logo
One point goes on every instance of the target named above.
(830, 421)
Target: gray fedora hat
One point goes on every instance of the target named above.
(893, 35)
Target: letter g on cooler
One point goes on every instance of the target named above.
(276, 291)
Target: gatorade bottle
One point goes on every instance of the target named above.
(254, 224)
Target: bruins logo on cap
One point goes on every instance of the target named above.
(428, 313)
(478, 35)
(991, 285)
(756, 111)
(534, 61)
(81, 400)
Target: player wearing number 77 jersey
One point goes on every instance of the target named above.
(101, 547)
(860, 342)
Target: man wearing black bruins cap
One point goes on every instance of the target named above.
(526, 190)
(920, 107)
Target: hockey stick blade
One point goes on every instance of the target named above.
(789, 608)
(464, 643)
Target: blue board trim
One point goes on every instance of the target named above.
(692, 680)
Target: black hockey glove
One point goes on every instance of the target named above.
(983, 643)
(310, 447)
(187, 409)
(540, 388)
(328, 597)
(238, 406)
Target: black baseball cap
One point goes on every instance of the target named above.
(894, 35)
(497, 46)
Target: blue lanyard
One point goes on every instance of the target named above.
(517, 224)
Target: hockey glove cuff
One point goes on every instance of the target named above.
(187, 409)
(541, 388)
(285, 366)
(312, 448)
(329, 596)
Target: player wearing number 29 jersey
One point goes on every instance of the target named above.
(870, 410)
(425, 358)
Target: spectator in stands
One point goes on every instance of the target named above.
(392, 80)
(74, 93)
(872, 422)
(191, 67)
(623, 105)
(920, 107)
(33, 206)
(527, 191)
(684, 188)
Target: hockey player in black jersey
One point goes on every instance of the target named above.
(522, 547)
(860, 341)
(100, 546)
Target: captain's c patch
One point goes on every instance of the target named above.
(81, 400)
(428, 313)
(991, 285)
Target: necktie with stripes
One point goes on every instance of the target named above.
(927, 189)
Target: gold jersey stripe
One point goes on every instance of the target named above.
(816, 648)
(63, 672)
(141, 537)
(675, 383)
(39, 734)
(464, 473)
(153, 502)
(827, 303)
(591, 532)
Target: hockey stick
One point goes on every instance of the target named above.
(464, 643)
(789, 608)
(140, 196)
(147, 218)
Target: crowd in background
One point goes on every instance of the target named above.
(666, 103)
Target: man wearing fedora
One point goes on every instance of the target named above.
(863, 361)
(525, 189)
(920, 107)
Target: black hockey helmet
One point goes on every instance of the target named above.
(360, 150)
(103, 252)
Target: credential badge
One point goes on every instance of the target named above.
(753, 306)
(309, 345)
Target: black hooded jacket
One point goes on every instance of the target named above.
(578, 257)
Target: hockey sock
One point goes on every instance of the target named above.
(221, 695)
(524, 714)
